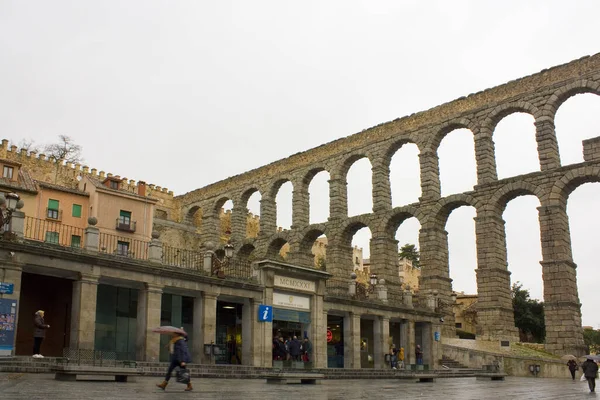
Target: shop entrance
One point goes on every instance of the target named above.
(52, 295)
(335, 341)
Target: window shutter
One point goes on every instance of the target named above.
(125, 214)
(53, 204)
(77, 210)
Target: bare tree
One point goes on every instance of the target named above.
(27, 144)
(65, 149)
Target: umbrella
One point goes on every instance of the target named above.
(568, 357)
(594, 357)
(167, 330)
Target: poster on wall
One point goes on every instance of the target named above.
(8, 319)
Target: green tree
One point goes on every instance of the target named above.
(591, 338)
(529, 315)
(411, 253)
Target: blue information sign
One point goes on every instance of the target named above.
(6, 288)
(437, 336)
(8, 318)
(265, 313)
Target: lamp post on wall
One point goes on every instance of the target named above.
(362, 291)
(10, 202)
(217, 264)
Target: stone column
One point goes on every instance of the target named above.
(148, 317)
(352, 341)
(83, 313)
(384, 260)
(430, 175)
(155, 250)
(249, 313)
(562, 309)
(210, 229)
(300, 206)
(547, 144)
(436, 347)
(485, 156)
(495, 315)
(381, 336)
(268, 216)
(382, 192)
(209, 322)
(10, 272)
(17, 223)
(319, 328)
(239, 222)
(427, 343)
(339, 259)
(409, 351)
(338, 198)
(198, 337)
(92, 238)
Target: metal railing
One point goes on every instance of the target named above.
(126, 226)
(234, 268)
(337, 287)
(183, 258)
(123, 246)
(54, 214)
(54, 233)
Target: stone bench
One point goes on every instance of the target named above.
(490, 376)
(284, 378)
(71, 372)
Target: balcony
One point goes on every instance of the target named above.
(125, 225)
(53, 215)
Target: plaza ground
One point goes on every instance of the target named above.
(43, 386)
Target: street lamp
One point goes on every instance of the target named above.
(373, 280)
(9, 203)
(363, 290)
(219, 263)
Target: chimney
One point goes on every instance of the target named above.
(142, 188)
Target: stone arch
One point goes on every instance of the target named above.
(351, 226)
(511, 191)
(246, 250)
(504, 110)
(564, 93)
(218, 205)
(246, 194)
(310, 234)
(397, 216)
(275, 245)
(445, 129)
(444, 207)
(276, 185)
(190, 215)
(393, 149)
(563, 187)
(345, 165)
(310, 174)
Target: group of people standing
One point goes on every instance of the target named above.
(291, 349)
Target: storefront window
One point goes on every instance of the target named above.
(229, 333)
(335, 341)
(116, 321)
(176, 311)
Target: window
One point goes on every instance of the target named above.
(458, 325)
(125, 217)
(75, 241)
(8, 172)
(114, 185)
(122, 248)
(77, 210)
(53, 209)
(51, 237)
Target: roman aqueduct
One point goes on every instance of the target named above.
(539, 95)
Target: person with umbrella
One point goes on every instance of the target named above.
(179, 353)
(590, 370)
(572, 364)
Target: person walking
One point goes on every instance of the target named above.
(180, 356)
(572, 364)
(590, 371)
(39, 333)
(419, 354)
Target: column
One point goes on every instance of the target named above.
(268, 216)
(239, 222)
(339, 259)
(562, 309)
(352, 341)
(409, 350)
(547, 143)
(427, 343)
(384, 260)
(83, 313)
(338, 198)
(495, 315)
(318, 331)
(209, 322)
(381, 336)
(210, 229)
(198, 340)
(436, 347)
(155, 250)
(485, 156)
(300, 206)
(148, 318)
(254, 339)
(382, 192)
(11, 273)
(430, 175)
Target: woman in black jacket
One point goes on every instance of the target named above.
(39, 332)
(180, 356)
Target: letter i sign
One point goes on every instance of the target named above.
(265, 313)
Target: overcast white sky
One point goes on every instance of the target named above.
(185, 93)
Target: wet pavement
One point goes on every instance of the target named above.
(43, 386)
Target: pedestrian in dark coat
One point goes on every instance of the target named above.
(180, 356)
(572, 367)
(294, 347)
(39, 332)
(307, 349)
(590, 370)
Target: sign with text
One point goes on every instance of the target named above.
(8, 318)
(6, 288)
(294, 283)
(265, 313)
(280, 314)
(291, 301)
